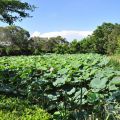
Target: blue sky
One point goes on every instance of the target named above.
(69, 18)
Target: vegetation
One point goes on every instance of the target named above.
(13, 10)
(104, 40)
(44, 45)
(17, 109)
(115, 61)
(54, 86)
(64, 85)
(13, 40)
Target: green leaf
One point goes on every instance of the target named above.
(98, 83)
(115, 81)
(59, 82)
(78, 93)
(52, 97)
(71, 91)
(104, 62)
(92, 97)
(57, 113)
(63, 71)
(112, 87)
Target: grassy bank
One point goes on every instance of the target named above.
(115, 61)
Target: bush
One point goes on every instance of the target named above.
(16, 109)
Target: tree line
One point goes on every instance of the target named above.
(15, 40)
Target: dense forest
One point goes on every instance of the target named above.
(14, 40)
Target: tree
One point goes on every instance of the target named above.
(53, 42)
(104, 40)
(5, 41)
(118, 45)
(113, 40)
(101, 35)
(74, 46)
(14, 39)
(37, 45)
(19, 37)
(13, 10)
(62, 48)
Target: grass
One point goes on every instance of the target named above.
(115, 61)
(116, 57)
(17, 109)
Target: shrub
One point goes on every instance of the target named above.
(16, 109)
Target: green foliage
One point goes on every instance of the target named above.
(101, 35)
(118, 45)
(104, 40)
(115, 61)
(67, 86)
(18, 36)
(88, 45)
(13, 10)
(74, 46)
(16, 109)
(44, 45)
(13, 40)
(113, 40)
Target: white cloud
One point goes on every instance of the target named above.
(69, 35)
(36, 34)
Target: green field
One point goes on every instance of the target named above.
(69, 87)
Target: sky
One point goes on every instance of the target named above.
(72, 19)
